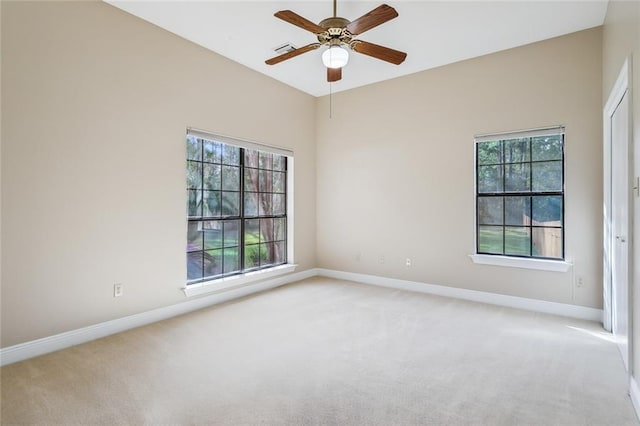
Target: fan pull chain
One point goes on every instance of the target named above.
(330, 100)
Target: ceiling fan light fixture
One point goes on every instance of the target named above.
(335, 57)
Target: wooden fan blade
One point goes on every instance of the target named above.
(379, 52)
(299, 21)
(377, 16)
(334, 74)
(292, 54)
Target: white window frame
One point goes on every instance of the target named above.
(231, 282)
(554, 265)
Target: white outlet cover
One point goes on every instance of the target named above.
(118, 290)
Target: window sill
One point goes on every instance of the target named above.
(237, 280)
(513, 262)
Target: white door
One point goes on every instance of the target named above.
(620, 226)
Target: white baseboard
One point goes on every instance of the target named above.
(563, 309)
(54, 343)
(49, 344)
(634, 393)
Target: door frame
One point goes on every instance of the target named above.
(620, 88)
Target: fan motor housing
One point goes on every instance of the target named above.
(336, 30)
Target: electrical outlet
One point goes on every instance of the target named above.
(118, 290)
(381, 259)
(407, 262)
(579, 282)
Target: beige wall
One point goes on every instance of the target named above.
(93, 126)
(95, 107)
(621, 40)
(395, 167)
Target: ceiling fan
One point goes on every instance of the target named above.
(338, 33)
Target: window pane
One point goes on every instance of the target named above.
(194, 174)
(212, 230)
(212, 263)
(266, 181)
(266, 160)
(279, 162)
(194, 148)
(230, 178)
(230, 203)
(547, 242)
(490, 210)
(230, 155)
(279, 253)
(280, 228)
(251, 256)
(517, 211)
(490, 239)
(251, 158)
(231, 233)
(278, 182)
(194, 236)
(194, 203)
(231, 260)
(265, 204)
(251, 231)
(517, 177)
(194, 265)
(267, 253)
(546, 176)
(516, 150)
(517, 241)
(250, 204)
(489, 152)
(547, 210)
(279, 206)
(489, 179)
(266, 230)
(547, 148)
(211, 151)
(211, 205)
(211, 176)
(251, 180)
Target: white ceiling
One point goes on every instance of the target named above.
(433, 33)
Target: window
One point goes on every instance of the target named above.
(236, 208)
(520, 194)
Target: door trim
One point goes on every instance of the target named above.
(620, 88)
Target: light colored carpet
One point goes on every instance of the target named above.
(328, 352)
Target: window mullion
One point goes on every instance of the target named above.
(531, 197)
(241, 227)
(202, 205)
(504, 183)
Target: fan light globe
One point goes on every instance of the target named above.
(335, 57)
